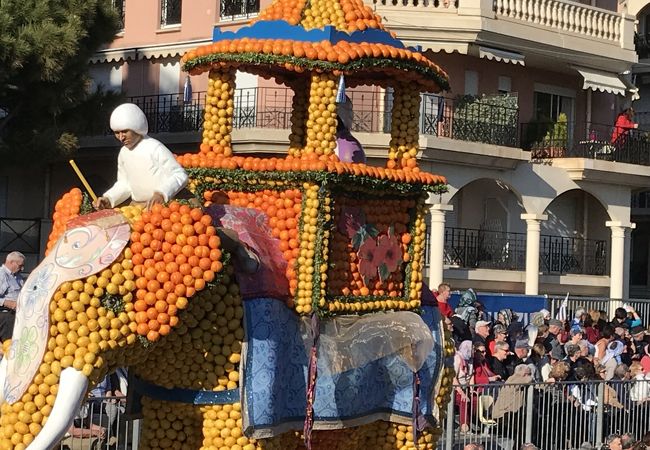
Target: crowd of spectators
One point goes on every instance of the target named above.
(566, 359)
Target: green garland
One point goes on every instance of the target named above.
(86, 205)
(239, 179)
(323, 193)
(258, 59)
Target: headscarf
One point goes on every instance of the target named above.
(466, 350)
(468, 298)
(615, 352)
(129, 116)
(546, 314)
(465, 312)
(537, 319)
(505, 316)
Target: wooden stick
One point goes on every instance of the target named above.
(83, 180)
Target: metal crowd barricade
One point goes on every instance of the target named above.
(553, 416)
(101, 424)
(642, 306)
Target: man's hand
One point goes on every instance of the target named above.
(156, 198)
(102, 203)
(10, 304)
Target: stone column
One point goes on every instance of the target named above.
(617, 266)
(533, 222)
(437, 243)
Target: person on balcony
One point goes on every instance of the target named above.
(624, 123)
(146, 170)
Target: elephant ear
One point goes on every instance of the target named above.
(90, 244)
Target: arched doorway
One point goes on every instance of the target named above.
(574, 238)
(485, 229)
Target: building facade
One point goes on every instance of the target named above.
(540, 195)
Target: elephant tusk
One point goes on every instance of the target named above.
(3, 375)
(72, 391)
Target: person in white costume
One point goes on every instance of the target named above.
(146, 170)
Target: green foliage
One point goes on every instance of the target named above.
(258, 60)
(45, 46)
(491, 119)
(559, 134)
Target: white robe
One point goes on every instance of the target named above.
(150, 167)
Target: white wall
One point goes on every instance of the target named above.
(169, 77)
(106, 76)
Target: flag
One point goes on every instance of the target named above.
(187, 90)
(561, 312)
(340, 92)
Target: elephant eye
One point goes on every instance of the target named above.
(76, 245)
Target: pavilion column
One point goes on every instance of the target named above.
(619, 269)
(533, 231)
(437, 243)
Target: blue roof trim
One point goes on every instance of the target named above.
(281, 29)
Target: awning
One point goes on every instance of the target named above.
(501, 55)
(146, 52)
(602, 81)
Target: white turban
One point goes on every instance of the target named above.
(129, 116)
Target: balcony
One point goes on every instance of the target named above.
(548, 141)
(589, 36)
(489, 120)
(469, 248)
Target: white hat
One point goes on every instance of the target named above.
(129, 116)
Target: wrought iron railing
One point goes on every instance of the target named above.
(484, 249)
(172, 112)
(263, 108)
(568, 255)
(474, 119)
(239, 9)
(170, 12)
(271, 107)
(547, 140)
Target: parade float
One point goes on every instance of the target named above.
(332, 343)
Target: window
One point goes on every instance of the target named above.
(170, 12)
(505, 85)
(548, 106)
(239, 9)
(118, 5)
(471, 82)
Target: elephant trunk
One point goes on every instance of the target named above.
(72, 390)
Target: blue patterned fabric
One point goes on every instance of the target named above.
(275, 375)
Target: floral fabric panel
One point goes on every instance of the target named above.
(275, 378)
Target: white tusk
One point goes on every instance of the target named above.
(3, 375)
(72, 391)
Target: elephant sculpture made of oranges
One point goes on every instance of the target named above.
(164, 302)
